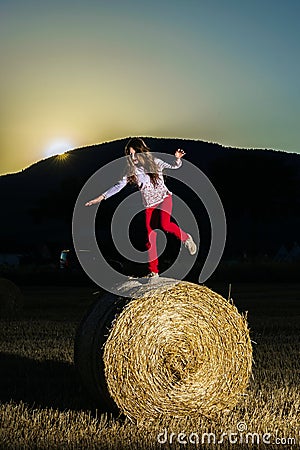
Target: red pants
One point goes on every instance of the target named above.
(163, 212)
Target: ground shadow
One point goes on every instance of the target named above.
(47, 384)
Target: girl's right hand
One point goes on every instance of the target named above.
(95, 201)
(179, 153)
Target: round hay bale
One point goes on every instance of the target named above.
(92, 333)
(11, 298)
(171, 348)
(90, 337)
(183, 351)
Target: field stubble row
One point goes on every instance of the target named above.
(44, 406)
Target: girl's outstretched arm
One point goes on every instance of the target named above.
(95, 200)
(112, 191)
(178, 163)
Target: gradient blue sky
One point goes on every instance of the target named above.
(74, 73)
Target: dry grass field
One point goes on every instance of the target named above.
(42, 404)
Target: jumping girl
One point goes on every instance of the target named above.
(147, 173)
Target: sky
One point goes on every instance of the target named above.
(75, 73)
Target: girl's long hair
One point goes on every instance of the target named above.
(144, 157)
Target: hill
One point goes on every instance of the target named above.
(258, 188)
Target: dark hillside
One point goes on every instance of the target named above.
(258, 188)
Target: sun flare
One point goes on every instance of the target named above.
(58, 147)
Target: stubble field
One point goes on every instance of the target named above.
(42, 404)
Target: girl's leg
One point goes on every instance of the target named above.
(151, 224)
(165, 220)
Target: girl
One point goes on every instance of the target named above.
(147, 173)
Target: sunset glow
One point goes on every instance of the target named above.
(58, 147)
(90, 72)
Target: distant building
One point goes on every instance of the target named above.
(10, 259)
(294, 254)
(283, 255)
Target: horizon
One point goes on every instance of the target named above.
(145, 137)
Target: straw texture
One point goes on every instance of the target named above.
(177, 352)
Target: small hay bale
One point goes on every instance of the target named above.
(179, 351)
(11, 298)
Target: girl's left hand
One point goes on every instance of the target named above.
(179, 153)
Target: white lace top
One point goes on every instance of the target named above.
(151, 195)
